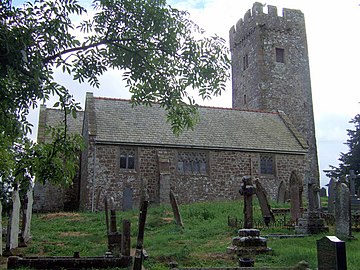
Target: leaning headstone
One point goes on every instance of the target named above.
(175, 208)
(15, 219)
(1, 229)
(331, 253)
(342, 211)
(295, 200)
(331, 192)
(264, 203)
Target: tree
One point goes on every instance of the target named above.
(164, 56)
(350, 160)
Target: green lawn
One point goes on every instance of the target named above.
(202, 241)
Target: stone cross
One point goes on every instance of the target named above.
(247, 189)
(15, 218)
(342, 211)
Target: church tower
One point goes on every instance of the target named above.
(270, 70)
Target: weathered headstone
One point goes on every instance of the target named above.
(15, 219)
(311, 222)
(125, 239)
(165, 176)
(331, 253)
(1, 229)
(26, 235)
(282, 193)
(354, 199)
(331, 192)
(264, 204)
(323, 192)
(295, 200)
(342, 211)
(247, 190)
(127, 199)
(175, 208)
(138, 258)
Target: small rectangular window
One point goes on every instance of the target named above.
(280, 55)
(127, 158)
(267, 164)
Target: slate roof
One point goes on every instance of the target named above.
(55, 118)
(116, 121)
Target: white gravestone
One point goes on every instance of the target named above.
(15, 218)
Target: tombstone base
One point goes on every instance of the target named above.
(311, 223)
(248, 242)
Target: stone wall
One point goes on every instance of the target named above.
(266, 84)
(220, 182)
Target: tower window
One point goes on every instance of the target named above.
(280, 55)
(245, 101)
(245, 61)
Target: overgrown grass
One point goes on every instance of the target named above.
(202, 242)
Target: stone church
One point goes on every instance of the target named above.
(268, 133)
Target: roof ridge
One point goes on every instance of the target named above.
(200, 106)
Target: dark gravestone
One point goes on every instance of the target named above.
(331, 253)
(331, 192)
(323, 192)
(282, 193)
(295, 196)
(127, 199)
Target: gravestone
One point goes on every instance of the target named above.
(264, 204)
(331, 192)
(30, 200)
(331, 253)
(295, 199)
(311, 222)
(15, 219)
(342, 211)
(1, 229)
(355, 201)
(175, 208)
(283, 194)
(127, 199)
(323, 192)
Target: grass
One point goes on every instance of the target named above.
(201, 243)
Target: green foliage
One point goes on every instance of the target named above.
(351, 159)
(164, 56)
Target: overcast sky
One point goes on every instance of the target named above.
(333, 41)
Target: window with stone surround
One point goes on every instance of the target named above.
(267, 164)
(127, 158)
(280, 55)
(192, 162)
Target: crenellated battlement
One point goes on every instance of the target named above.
(256, 17)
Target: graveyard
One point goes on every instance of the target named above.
(202, 241)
